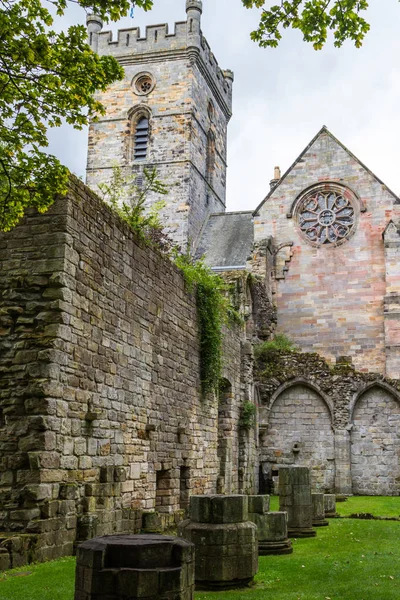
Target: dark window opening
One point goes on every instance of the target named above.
(163, 490)
(141, 139)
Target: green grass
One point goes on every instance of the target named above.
(379, 506)
(48, 581)
(349, 560)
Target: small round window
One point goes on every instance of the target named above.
(327, 215)
(143, 84)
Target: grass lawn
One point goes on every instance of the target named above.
(379, 506)
(349, 560)
(49, 581)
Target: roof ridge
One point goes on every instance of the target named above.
(324, 129)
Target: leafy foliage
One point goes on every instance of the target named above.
(280, 343)
(214, 309)
(247, 415)
(314, 18)
(45, 78)
(128, 200)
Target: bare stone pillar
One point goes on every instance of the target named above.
(343, 483)
(318, 511)
(330, 505)
(272, 531)
(225, 540)
(295, 499)
(116, 567)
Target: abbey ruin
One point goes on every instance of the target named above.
(103, 426)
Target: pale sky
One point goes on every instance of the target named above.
(283, 96)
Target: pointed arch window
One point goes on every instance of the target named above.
(141, 141)
(210, 158)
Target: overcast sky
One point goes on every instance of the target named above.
(283, 96)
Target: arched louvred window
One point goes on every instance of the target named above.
(141, 139)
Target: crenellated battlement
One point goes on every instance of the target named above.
(129, 46)
(156, 38)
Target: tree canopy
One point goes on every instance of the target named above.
(314, 18)
(45, 78)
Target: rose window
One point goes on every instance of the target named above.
(326, 217)
(143, 84)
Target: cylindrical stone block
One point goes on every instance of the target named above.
(272, 533)
(225, 541)
(295, 499)
(258, 504)
(330, 505)
(117, 567)
(219, 509)
(318, 510)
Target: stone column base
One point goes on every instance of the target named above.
(322, 523)
(273, 548)
(302, 532)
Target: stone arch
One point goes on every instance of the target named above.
(375, 441)
(306, 383)
(136, 116)
(379, 384)
(300, 432)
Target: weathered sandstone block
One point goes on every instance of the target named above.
(117, 567)
(295, 499)
(225, 541)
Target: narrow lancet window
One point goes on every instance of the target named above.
(210, 157)
(141, 139)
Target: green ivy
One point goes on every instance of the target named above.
(247, 415)
(214, 309)
(212, 294)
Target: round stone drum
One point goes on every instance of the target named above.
(151, 567)
(225, 540)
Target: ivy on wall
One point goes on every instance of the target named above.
(214, 309)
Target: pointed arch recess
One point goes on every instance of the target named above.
(378, 384)
(302, 381)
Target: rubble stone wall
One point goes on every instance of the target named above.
(101, 411)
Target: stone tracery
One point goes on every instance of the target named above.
(326, 217)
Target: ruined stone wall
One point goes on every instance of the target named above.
(330, 298)
(342, 424)
(300, 430)
(102, 415)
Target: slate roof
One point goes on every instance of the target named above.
(227, 240)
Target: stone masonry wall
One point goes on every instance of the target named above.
(341, 423)
(188, 81)
(101, 411)
(330, 298)
(300, 431)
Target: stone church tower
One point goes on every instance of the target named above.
(171, 112)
